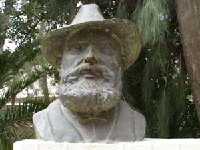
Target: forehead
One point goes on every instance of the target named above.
(94, 36)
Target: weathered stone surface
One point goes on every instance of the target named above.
(93, 54)
(57, 124)
(90, 18)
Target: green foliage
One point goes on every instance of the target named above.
(3, 26)
(16, 122)
(10, 63)
(27, 74)
(152, 20)
(164, 85)
(122, 11)
(157, 84)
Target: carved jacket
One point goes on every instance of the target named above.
(57, 123)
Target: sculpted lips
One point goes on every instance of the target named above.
(91, 73)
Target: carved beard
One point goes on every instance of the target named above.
(90, 96)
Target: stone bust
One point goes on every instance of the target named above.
(92, 53)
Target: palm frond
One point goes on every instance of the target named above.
(16, 121)
(24, 79)
(151, 18)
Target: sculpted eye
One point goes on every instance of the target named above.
(106, 49)
(76, 49)
(79, 48)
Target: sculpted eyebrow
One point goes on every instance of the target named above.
(72, 43)
(78, 41)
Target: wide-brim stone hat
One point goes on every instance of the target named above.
(90, 17)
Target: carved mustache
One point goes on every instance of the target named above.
(97, 71)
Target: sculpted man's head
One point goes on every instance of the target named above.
(92, 53)
(91, 72)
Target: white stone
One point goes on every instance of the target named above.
(94, 146)
(190, 145)
(147, 144)
(138, 146)
(165, 145)
(54, 124)
(88, 13)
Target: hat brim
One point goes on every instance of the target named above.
(52, 44)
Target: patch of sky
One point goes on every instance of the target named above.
(2, 5)
(9, 45)
(79, 4)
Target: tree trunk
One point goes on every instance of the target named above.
(188, 13)
(3, 27)
(44, 87)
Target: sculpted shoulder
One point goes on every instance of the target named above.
(137, 119)
(41, 122)
(51, 124)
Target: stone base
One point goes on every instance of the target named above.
(147, 144)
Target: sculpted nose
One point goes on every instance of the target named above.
(90, 57)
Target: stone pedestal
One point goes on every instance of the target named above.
(147, 144)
